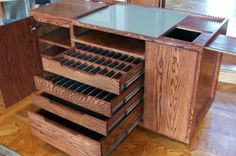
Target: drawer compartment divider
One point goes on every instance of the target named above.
(106, 70)
(91, 98)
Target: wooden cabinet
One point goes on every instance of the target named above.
(94, 79)
(92, 86)
(100, 81)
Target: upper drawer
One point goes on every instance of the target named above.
(86, 96)
(107, 70)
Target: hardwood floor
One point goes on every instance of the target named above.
(216, 135)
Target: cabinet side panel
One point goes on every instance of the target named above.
(169, 80)
(19, 60)
(208, 79)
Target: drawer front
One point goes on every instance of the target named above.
(91, 98)
(91, 120)
(103, 69)
(76, 140)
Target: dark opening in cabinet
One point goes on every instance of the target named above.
(182, 34)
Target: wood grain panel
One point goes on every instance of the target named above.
(53, 133)
(68, 113)
(19, 60)
(169, 82)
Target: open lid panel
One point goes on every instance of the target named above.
(62, 13)
(212, 31)
(194, 32)
(223, 44)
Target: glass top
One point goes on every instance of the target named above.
(141, 20)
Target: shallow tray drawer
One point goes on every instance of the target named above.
(88, 97)
(91, 120)
(77, 140)
(103, 69)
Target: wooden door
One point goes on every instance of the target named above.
(19, 60)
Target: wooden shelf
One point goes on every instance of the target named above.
(113, 42)
(59, 37)
(52, 51)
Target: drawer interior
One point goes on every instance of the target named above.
(70, 125)
(98, 61)
(79, 87)
(84, 95)
(56, 105)
(70, 105)
(104, 69)
(85, 89)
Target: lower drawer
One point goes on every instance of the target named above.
(84, 117)
(77, 140)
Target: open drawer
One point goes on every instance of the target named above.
(84, 117)
(86, 96)
(77, 140)
(107, 70)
